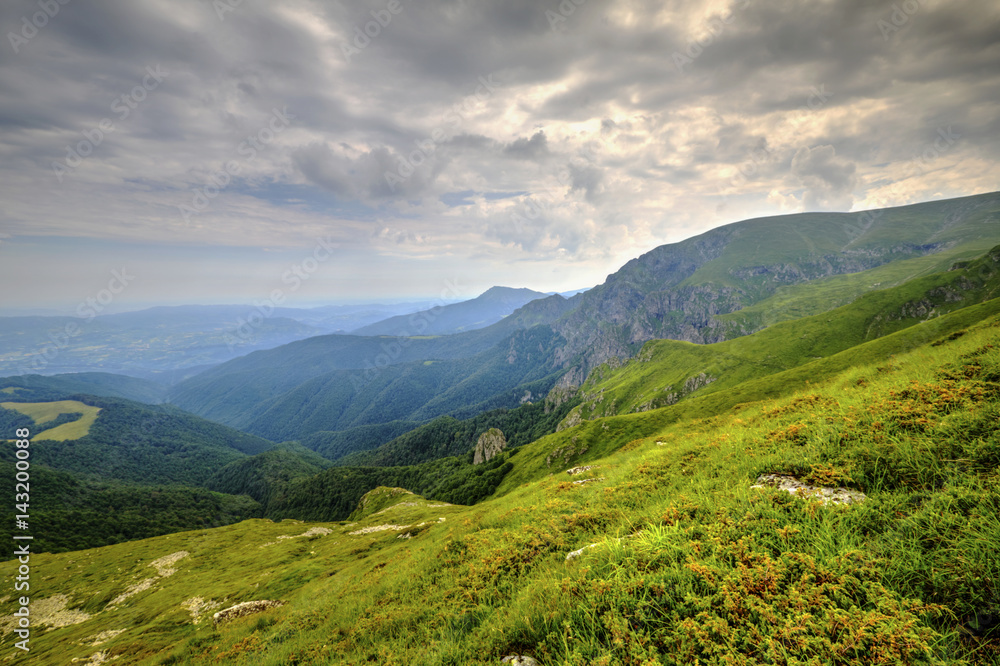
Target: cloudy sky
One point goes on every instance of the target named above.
(217, 150)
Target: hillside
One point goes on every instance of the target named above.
(73, 513)
(266, 475)
(668, 371)
(107, 470)
(38, 387)
(131, 442)
(500, 376)
(228, 391)
(447, 436)
(484, 310)
(669, 549)
(678, 291)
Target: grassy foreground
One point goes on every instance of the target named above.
(688, 564)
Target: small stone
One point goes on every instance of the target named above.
(581, 481)
(578, 553)
(519, 660)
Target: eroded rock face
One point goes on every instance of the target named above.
(490, 443)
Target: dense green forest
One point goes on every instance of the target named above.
(287, 491)
(447, 436)
(139, 443)
(336, 444)
(105, 384)
(11, 420)
(264, 477)
(68, 513)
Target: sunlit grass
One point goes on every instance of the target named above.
(44, 412)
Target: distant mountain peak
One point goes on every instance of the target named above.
(488, 308)
(494, 293)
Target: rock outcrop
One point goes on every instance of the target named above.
(490, 443)
(245, 608)
(825, 495)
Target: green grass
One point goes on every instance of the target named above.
(690, 565)
(771, 241)
(44, 412)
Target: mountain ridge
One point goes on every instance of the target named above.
(488, 308)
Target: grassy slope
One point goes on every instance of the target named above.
(969, 222)
(594, 439)
(689, 563)
(44, 412)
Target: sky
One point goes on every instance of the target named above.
(224, 151)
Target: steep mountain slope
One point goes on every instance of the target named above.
(676, 291)
(662, 552)
(484, 310)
